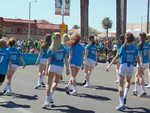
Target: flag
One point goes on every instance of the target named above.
(60, 4)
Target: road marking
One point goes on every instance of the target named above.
(17, 109)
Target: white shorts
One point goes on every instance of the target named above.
(73, 65)
(90, 62)
(13, 67)
(125, 70)
(56, 69)
(43, 61)
(145, 66)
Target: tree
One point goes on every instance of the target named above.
(75, 27)
(107, 24)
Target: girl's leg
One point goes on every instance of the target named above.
(88, 72)
(127, 86)
(48, 89)
(120, 91)
(41, 76)
(7, 88)
(74, 72)
(136, 88)
(54, 85)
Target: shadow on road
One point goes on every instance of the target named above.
(28, 97)
(70, 109)
(137, 110)
(105, 88)
(10, 104)
(96, 97)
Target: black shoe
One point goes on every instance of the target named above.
(43, 85)
(52, 104)
(84, 82)
(135, 93)
(67, 90)
(4, 91)
(143, 94)
(37, 87)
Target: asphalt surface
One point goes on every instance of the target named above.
(101, 98)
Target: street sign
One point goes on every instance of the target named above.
(63, 27)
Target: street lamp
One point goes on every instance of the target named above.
(29, 24)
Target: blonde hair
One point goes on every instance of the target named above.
(75, 38)
(65, 38)
(56, 42)
(3, 43)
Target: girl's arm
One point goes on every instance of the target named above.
(113, 60)
(67, 65)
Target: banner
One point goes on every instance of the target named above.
(62, 6)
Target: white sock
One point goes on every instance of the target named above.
(42, 78)
(142, 88)
(136, 87)
(38, 82)
(121, 101)
(125, 92)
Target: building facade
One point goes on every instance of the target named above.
(19, 28)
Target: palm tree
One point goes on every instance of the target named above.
(107, 24)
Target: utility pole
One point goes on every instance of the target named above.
(148, 16)
(84, 6)
(121, 17)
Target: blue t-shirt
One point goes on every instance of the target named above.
(119, 46)
(14, 55)
(57, 57)
(144, 53)
(4, 61)
(77, 54)
(128, 54)
(91, 49)
(44, 53)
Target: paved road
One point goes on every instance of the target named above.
(102, 98)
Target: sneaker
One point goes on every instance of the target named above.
(143, 94)
(43, 84)
(5, 89)
(87, 85)
(38, 86)
(147, 86)
(67, 90)
(120, 108)
(135, 93)
(74, 93)
(8, 91)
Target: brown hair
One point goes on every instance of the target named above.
(47, 41)
(75, 38)
(3, 43)
(11, 41)
(130, 37)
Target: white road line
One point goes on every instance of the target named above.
(17, 109)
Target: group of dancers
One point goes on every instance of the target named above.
(56, 54)
(59, 53)
(131, 55)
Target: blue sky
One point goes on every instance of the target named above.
(98, 9)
